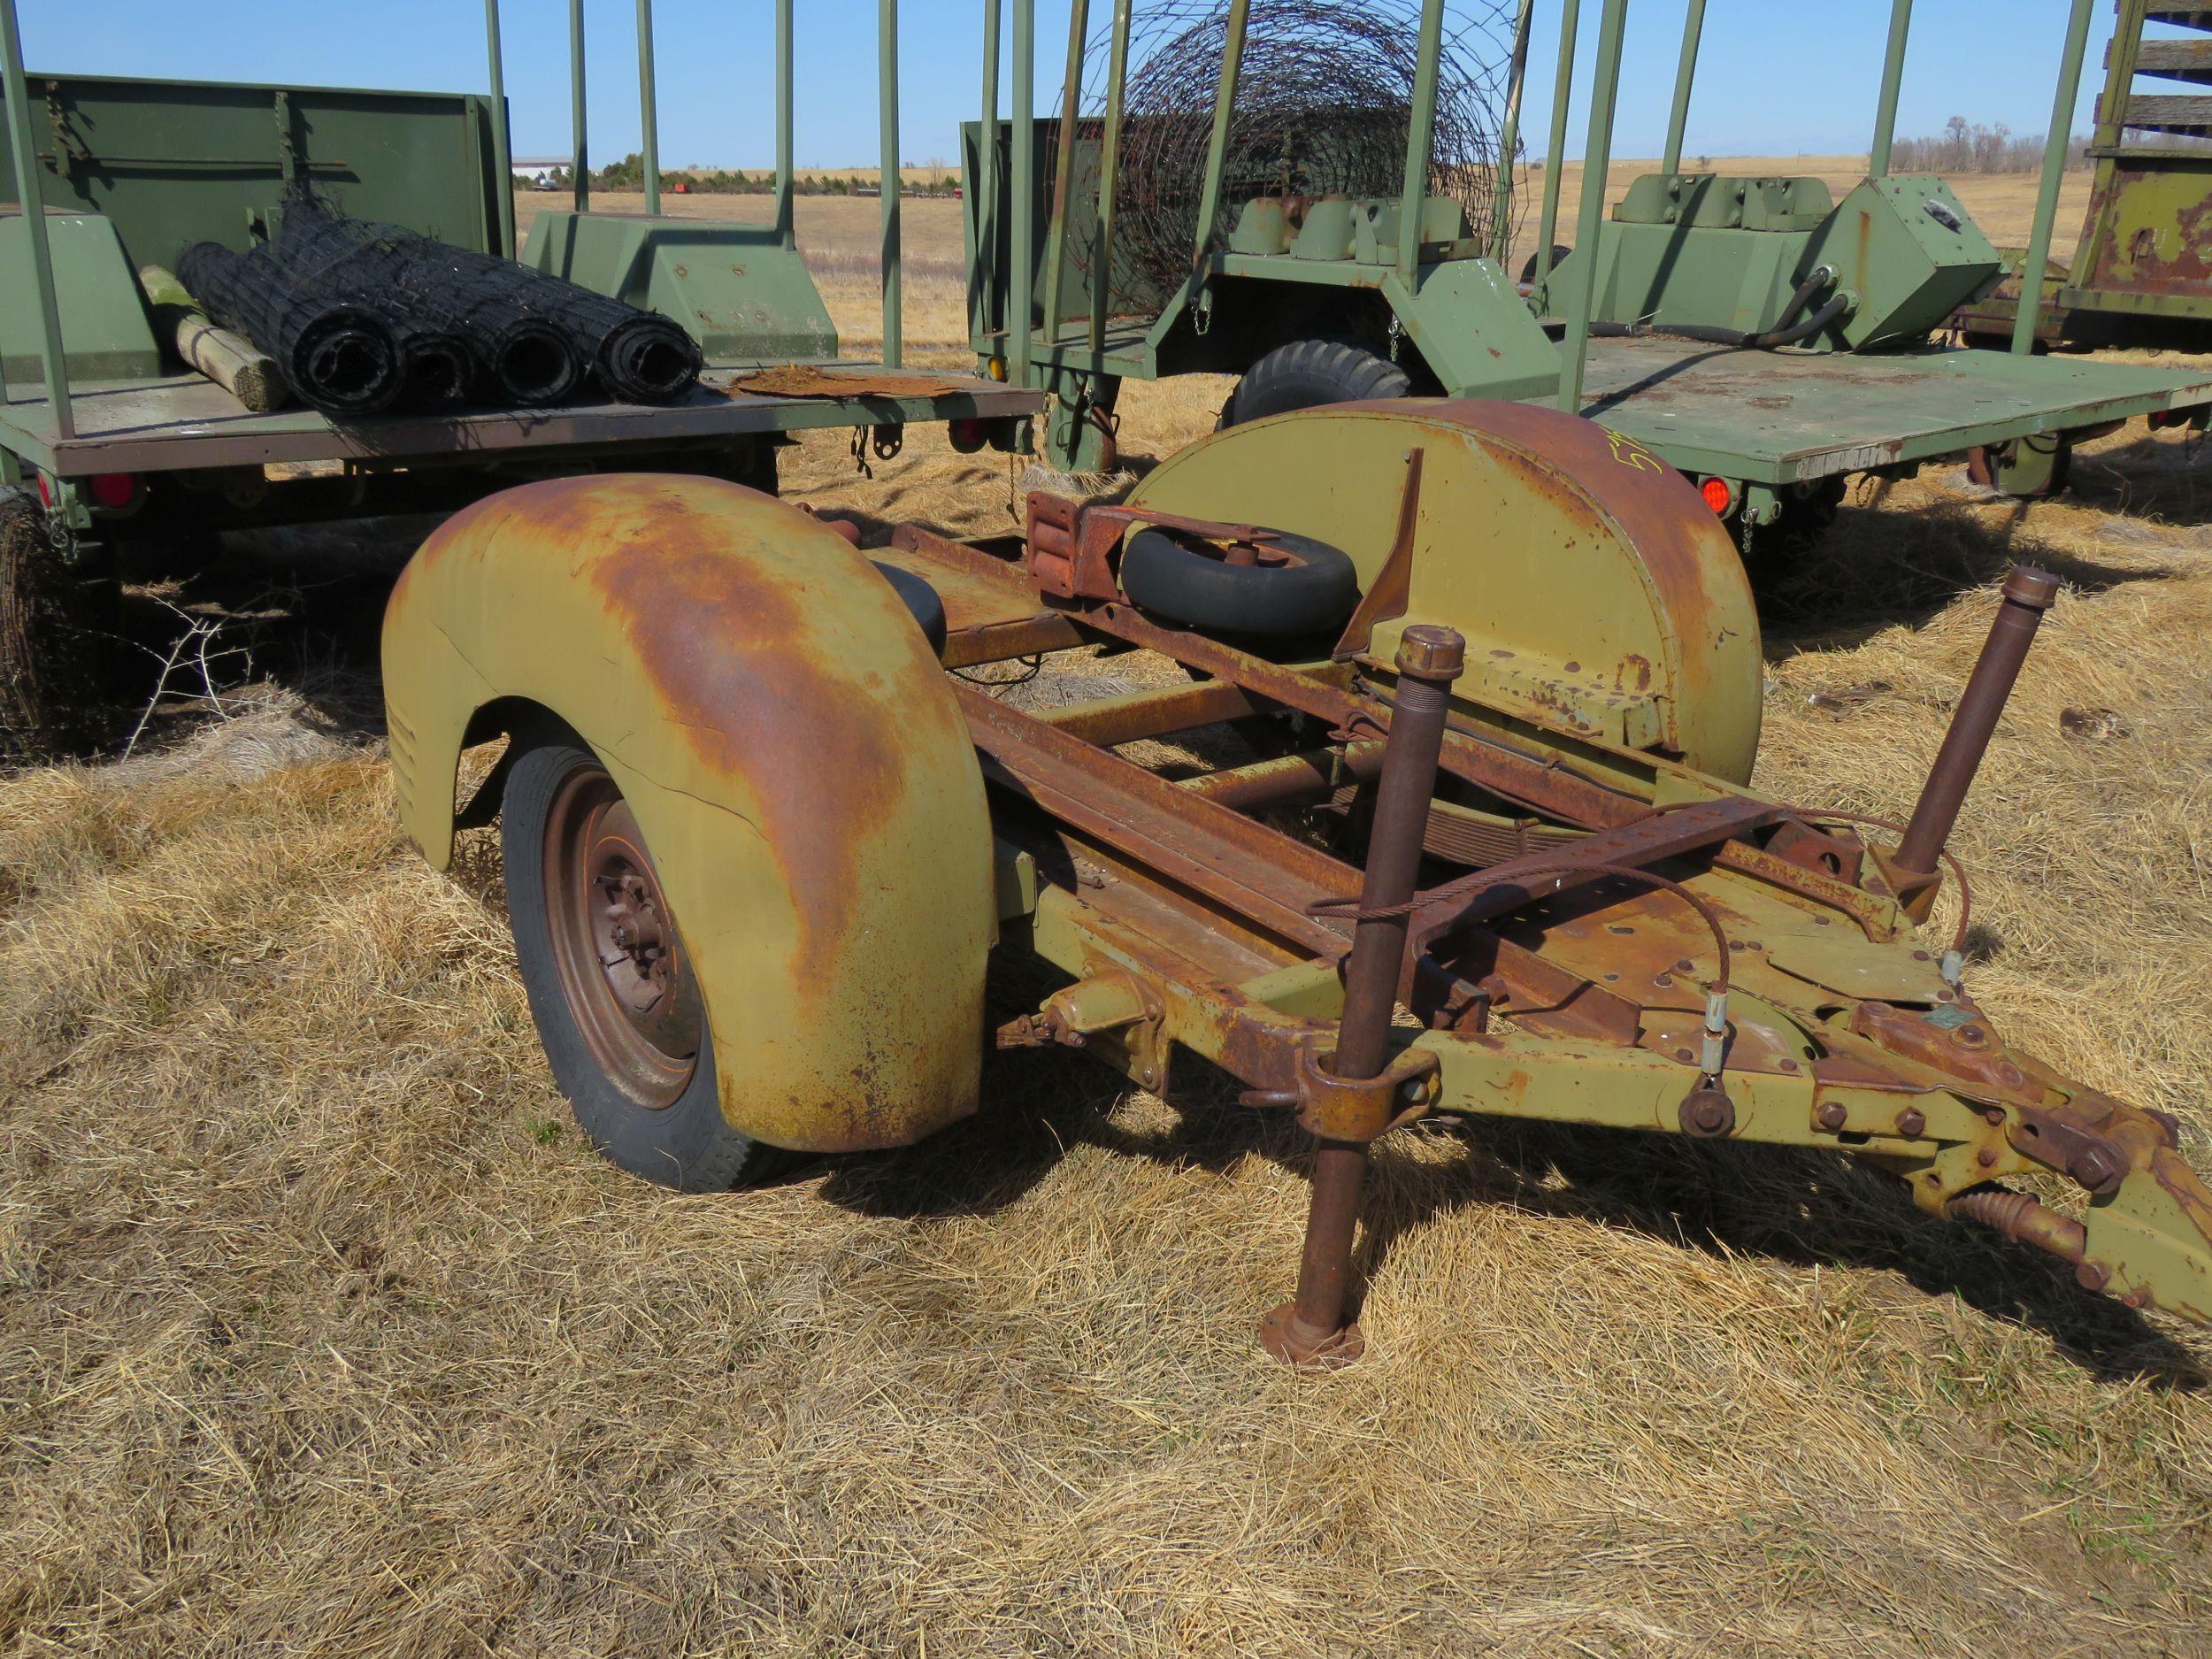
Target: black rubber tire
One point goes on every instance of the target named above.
(55, 625)
(1316, 595)
(688, 1144)
(921, 599)
(1307, 373)
(1559, 250)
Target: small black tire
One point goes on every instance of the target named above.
(1559, 250)
(682, 1141)
(1308, 374)
(921, 599)
(1315, 594)
(55, 628)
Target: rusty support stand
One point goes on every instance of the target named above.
(2028, 594)
(1312, 1331)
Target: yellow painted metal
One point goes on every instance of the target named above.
(789, 746)
(1599, 594)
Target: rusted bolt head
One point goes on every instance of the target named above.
(2093, 1275)
(1971, 1036)
(1911, 1122)
(1708, 1112)
(1429, 652)
(2096, 1168)
(1833, 1116)
(2028, 586)
(1987, 1158)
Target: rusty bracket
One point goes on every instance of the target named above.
(1387, 596)
(1116, 1015)
(1359, 1111)
(1071, 544)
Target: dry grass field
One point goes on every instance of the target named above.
(321, 1333)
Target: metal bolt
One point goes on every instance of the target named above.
(1834, 1115)
(1911, 1122)
(1987, 1158)
(2093, 1275)
(1708, 1112)
(2095, 1168)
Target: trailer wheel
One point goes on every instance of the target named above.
(53, 634)
(1304, 587)
(1559, 250)
(610, 987)
(1306, 374)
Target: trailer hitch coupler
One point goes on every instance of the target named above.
(1312, 1331)
(2028, 594)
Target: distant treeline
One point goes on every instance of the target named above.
(629, 174)
(1960, 147)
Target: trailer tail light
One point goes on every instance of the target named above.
(2161, 420)
(114, 490)
(1717, 496)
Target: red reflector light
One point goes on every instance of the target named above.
(970, 435)
(45, 492)
(1717, 496)
(115, 489)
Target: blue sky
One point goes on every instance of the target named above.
(1774, 80)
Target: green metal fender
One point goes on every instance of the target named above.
(791, 749)
(1599, 596)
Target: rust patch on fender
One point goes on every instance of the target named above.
(740, 667)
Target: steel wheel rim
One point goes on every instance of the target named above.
(615, 948)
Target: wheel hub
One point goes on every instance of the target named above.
(616, 944)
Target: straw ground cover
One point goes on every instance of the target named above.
(320, 1333)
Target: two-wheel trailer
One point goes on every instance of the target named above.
(1762, 336)
(107, 441)
(1410, 833)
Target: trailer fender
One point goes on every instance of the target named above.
(790, 748)
(1598, 594)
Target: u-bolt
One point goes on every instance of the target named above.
(1311, 1329)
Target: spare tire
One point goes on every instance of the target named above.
(1307, 373)
(1314, 590)
(921, 599)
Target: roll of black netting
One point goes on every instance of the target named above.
(538, 332)
(526, 357)
(441, 368)
(340, 357)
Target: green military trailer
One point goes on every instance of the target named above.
(2141, 274)
(108, 441)
(1762, 336)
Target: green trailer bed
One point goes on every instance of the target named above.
(175, 423)
(1791, 416)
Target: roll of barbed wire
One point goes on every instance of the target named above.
(1324, 102)
(344, 359)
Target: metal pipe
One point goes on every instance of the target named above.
(1020, 322)
(887, 79)
(1509, 138)
(648, 107)
(1420, 141)
(1893, 78)
(1685, 78)
(1063, 171)
(786, 216)
(2054, 147)
(31, 204)
(580, 166)
(1556, 158)
(1109, 180)
(1597, 161)
(2028, 594)
(983, 269)
(1217, 148)
(503, 158)
(1311, 1329)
